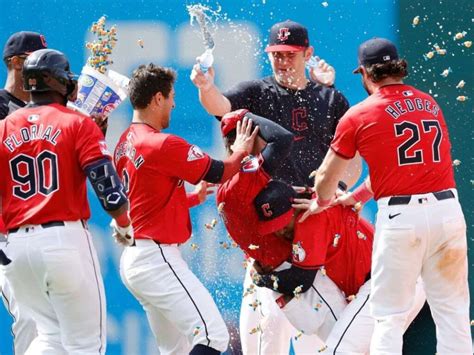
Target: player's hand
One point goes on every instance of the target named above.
(203, 81)
(344, 198)
(325, 74)
(204, 189)
(101, 121)
(303, 189)
(245, 136)
(123, 235)
(311, 207)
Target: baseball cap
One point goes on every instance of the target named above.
(230, 119)
(23, 42)
(376, 51)
(273, 206)
(287, 36)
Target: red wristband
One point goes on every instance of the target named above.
(362, 193)
(323, 203)
(123, 220)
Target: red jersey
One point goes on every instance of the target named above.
(338, 240)
(43, 153)
(240, 217)
(401, 133)
(153, 167)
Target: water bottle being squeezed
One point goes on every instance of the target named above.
(325, 78)
(206, 60)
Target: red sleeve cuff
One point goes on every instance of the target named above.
(339, 154)
(193, 199)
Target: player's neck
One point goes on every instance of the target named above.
(295, 83)
(147, 117)
(47, 97)
(388, 81)
(14, 86)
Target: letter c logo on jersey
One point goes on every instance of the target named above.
(284, 33)
(195, 153)
(267, 212)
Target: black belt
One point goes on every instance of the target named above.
(405, 200)
(44, 225)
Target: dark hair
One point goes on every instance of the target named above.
(229, 140)
(394, 68)
(147, 81)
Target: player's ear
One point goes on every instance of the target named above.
(158, 98)
(308, 53)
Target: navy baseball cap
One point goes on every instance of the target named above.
(376, 51)
(287, 36)
(23, 42)
(273, 206)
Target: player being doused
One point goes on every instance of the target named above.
(323, 284)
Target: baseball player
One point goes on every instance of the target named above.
(154, 166)
(12, 97)
(305, 108)
(420, 230)
(50, 262)
(260, 315)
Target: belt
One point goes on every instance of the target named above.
(144, 241)
(405, 200)
(45, 225)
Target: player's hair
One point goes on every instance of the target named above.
(394, 68)
(229, 140)
(147, 81)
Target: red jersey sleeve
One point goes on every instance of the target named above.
(344, 142)
(181, 159)
(310, 242)
(90, 142)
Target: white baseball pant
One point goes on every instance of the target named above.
(23, 327)
(55, 274)
(180, 310)
(425, 237)
(353, 330)
(275, 332)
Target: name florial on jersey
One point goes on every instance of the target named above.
(32, 133)
(195, 153)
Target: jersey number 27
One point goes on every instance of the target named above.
(404, 158)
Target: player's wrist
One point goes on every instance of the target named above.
(323, 202)
(362, 193)
(123, 220)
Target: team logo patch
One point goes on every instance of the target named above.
(386, 58)
(250, 164)
(299, 254)
(284, 33)
(103, 148)
(195, 153)
(408, 93)
(33, 118)
(266, 210)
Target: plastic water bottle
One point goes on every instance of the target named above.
(206, 60)
(313, 66)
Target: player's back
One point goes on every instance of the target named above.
(154, 167)
(402, 134)
(43, 152)
(241, 220)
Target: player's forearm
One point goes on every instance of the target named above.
(214, 102)
(353, 172)
(222, 170)
(289, 280)
(329, 174)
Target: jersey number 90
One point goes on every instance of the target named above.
(34, 174)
